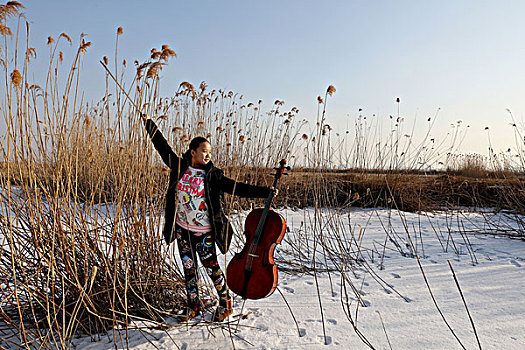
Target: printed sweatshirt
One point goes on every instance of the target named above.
(192, 211)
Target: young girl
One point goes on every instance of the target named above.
(195, 217)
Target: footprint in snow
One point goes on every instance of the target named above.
(254, 312)
(332, 321)
(365, 303)
(387, 291)
(262, 327)
(302, 332)
(515, 263)
(395, 275)
(309, 283)
(288, 289)
(326, 341)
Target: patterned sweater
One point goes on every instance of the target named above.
(192, 212)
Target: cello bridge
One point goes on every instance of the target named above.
(253, 255)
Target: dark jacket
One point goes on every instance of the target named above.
(215, 184)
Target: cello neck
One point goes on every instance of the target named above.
(262, 221)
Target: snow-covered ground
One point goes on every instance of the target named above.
(395, 309)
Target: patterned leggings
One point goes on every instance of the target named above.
(190, 244)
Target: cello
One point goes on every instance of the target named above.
(252, 273)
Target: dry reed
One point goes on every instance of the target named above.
(82, 191)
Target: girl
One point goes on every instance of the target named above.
(193, 203)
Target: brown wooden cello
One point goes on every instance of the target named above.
(252, 273)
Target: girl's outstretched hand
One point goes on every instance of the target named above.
(144, 116)
(276, 191)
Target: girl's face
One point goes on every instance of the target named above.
(201, 156)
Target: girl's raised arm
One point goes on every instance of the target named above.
(161, 145)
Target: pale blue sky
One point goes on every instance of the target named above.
(465, 57)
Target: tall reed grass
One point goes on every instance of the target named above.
(82, 189)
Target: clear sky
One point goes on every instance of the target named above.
(466, 57)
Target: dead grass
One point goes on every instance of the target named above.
(408, 190)
(82, 189)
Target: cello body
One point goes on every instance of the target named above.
(260, 280)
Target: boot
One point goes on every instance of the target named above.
(191, 312)
(224, 310)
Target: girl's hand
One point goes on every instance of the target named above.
(144, 116)
(276, 191)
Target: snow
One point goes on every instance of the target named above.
(395, 308)
(377, 261)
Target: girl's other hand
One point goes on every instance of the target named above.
(276, 191)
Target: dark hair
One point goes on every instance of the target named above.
(196, 142)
